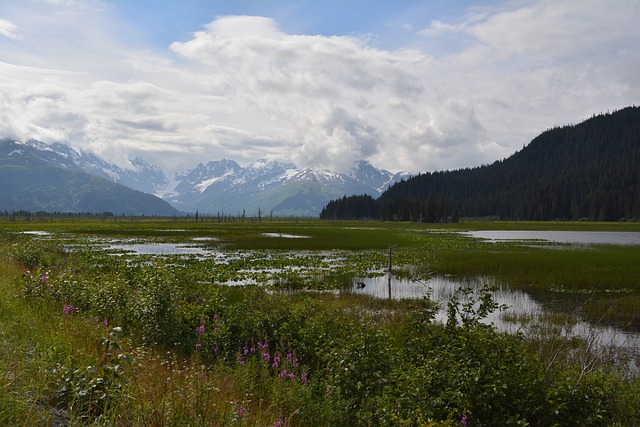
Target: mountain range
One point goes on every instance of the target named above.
(221, 187)
(36, 177)
(271, 187)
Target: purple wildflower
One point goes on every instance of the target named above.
(200, 330)
(44, 277)
(279, 423)
(463, 420)
(68, 309)
(303, 377)
(198, 346)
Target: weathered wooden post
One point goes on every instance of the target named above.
(389, 272)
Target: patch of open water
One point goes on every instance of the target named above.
(155, 248)
(575, 237)
(518, 304)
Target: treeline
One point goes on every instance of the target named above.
(42, 215)
(365, 207)
(588, 171)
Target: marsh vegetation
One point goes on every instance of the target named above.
(159, 322)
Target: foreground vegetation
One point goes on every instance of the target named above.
(91, 337)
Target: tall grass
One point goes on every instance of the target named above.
(578, 268)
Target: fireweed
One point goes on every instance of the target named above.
(287, 368)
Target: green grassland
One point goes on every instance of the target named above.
(96, 337)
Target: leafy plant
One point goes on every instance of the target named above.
(94, 390)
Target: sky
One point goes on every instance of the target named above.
(409, 85)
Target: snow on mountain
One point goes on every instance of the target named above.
(223, 186)
(141, 176)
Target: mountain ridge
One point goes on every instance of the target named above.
(588, 171)
(270, 186)
(33, 183)
(223, 186)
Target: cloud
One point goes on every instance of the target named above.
(244, 88)
(526, 66)
(330, 93)
(438, 28)
(8, 30)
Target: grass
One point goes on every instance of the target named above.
(364, 356)
(33, 339)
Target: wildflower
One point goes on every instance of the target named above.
(303, 377)
(215, 316)
(198, 346)
(282, 374)
(68, 309)
(245, 351)
(200, 329)
(276, 361)
(463, 420)
(279, 423)
(44, 277)
(105, 322)
(240, 411)
(266, 357)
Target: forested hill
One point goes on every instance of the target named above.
(589, 171)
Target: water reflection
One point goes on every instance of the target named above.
(523, 313)
(153, 248)
(576, 237)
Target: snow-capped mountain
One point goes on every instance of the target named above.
(224, 187)
(281, 189)
(141, 176)
(36, 177)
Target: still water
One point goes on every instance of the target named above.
(574, 237)
(518, 304)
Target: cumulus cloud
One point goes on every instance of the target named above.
(244, 88)
(339, 99)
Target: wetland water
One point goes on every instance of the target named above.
(520, 305)
(572, 237)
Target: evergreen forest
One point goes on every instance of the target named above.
(589, 172)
